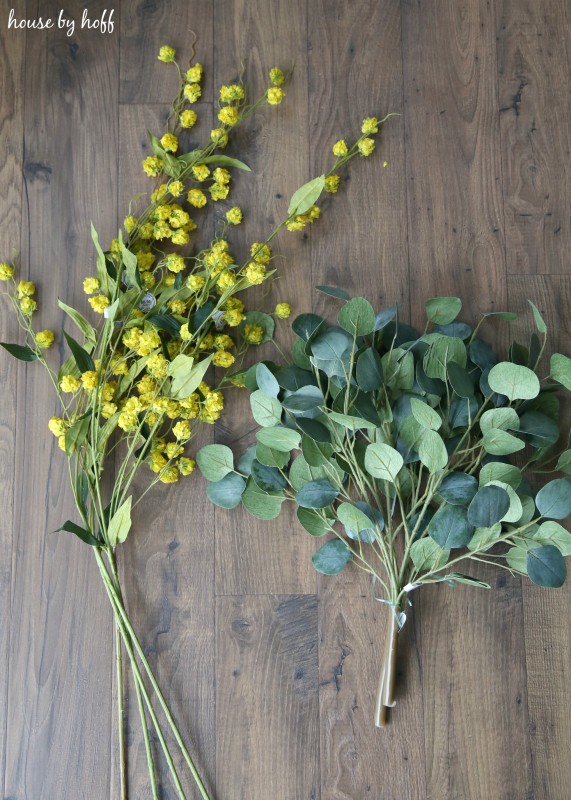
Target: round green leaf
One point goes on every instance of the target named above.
(459, 380)
(516, 558)
(316, 453)
(260, 504)
(332, 557)
(546, 567)
(513, 381)
(490, 505)
(227, 492)
(443, 310)
(539, 429)
(484, 538)
(305, 399)
(432, 451)
(316, 494)
(279, 438)
(560, 370)
(269, 457)
(305, 325)
(369, 370)
(564, 462)
(501, 418)
(246, 459)
(314, 430)
(266, 381)
(553, 533)
(383, 462)
(313, 522)
(497, 442)
(354, 520)
(443, 350)
(515, 511)
(333, 291)
(458, 488)
(450, 527)
(268, 479)
(357, 317)
(425, 415)
(215, 461)
(554, 499)
(267, 411)
(496, 471)
(427, 555)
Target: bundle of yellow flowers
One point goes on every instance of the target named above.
(140, 381)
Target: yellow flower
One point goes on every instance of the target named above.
(370, 125)
(180, 236)
(157, 366)
(108, 391)
(174, 262)
(230, 93)
(225, 280)
(233, 317)
(234, 216)
(147, 279)
(276, 76)
(223, 359)
(237, 380)
(192, 92)
(218, 191)
(129, 223)
(188, 118)
(200, 172)
(177, 306)
(221, 175)
(255, 273)
(69, 383)
(340, 148)
(207, 342)
(99, 303)
(182, 430)
(223, 342)
(296, 224)
(282, 310)
(169, 279)
(195, 282)
(219, 137)
(253, 334)
(115, 247)
(173, 449)
(153, 166)
(366, 146)
(229, 115)
(196, 198)
(186, 466)
(6, 271)
(26, 289)
(146, 230)
(28, 306)
(128, 421)
(185, 334)
(148, 341)
(166, 54)
(159, 193)
(161, 230)
(57, 426)
(118, 366)
(313, 213)
(108, 409)
(169, 475)
(194, 74)
(176, 188)
(261, 253)
(170, 142)
(385, 163)
(275, 96)
(145, 260)
(89, 380)
(44, 339)
(61, 442)
(332, 183)
(157, 462)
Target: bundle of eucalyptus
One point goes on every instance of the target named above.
(134, 389)
(398, 443)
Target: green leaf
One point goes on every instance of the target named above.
(130, 263)
(564, 462)
(538, 429)
(553, 533)
(84, 326)
(485, 538)
(369, 370)
(443, 310)
(215, 461)
(266, 381)
(427, 555)
(425, 415)
(263, 321)
(490, 505)
(500, 418)
(313, 522)
(305, 325)
(496, 471)
(354, 521)
(165, 322)
(77, 433)
(497, 442)
(306, 196)
(432, 451)
(357, 317)
(305, 399)
(450, 527)
(452, 578)
(516, 558)
(554, 499)
(507, 315)
(332, 557)
(443, 350)
(315, 452)
(260, 504)
(546, 567)
(515, 511)
(269, 457)
(268, 479)
(383, 462)
(81, 533)
(82, 358)
(458, 488)
(227, 492)
(279, 438)
(267, 411)
(348, 421)
(560, 370)
(539, 322)
(332, 351)
(316, 494)
(246, 460)
(384, 317)
(102, 276)
(19, 351)
(313, 429)
(186, 376)
(513, 381)
(459, 380)
(225, 161)
(120, 524)
(332, 291)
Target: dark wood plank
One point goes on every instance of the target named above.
(473, 659)
(533, 67)
(546, 612)
(145, 27)
(12, 56)
(267, 698)
(60, 659)
(168, 562)
(254, 556)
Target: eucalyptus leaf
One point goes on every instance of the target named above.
(332, 557)
(314, 429)
(501, 418)
(279, 438)
(268, 479)
(497, 471)
(459, 380)
(458, 488)
(357, 317)
(260, 504)
(369, 370)
(497, 442)
(305, 399)
(314, 522)
(553, 533)
(560, 370)
(215, 461)
(485, 538)
(489, 505)
(425, 415)
(546, 567)
(228, 491)
(450, 527)
(383, 462)
(427, 555)
(539, 321)
(266, 410)
(564, 462)
(269, 457)
(266, 381)
(305, 325)
(332, 291)
(514, 381)
(316, 494)
(432, 451)
(443, 310)
(554, 499)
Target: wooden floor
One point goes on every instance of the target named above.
(270, 669)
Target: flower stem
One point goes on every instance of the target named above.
(148, 751)
(121, 714)
(387, 679)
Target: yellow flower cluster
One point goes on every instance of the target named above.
(45, 339)
(6, 271)
(299, 222)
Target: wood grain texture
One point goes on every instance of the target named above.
(534, 42)
(266, 698)
(254, 556)
(546, 614)
(59, 710)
